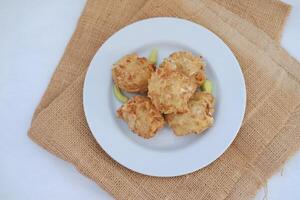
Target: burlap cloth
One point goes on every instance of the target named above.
(271, 128)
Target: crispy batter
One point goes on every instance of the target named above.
(170, 90)
(186, 62)
(131, 73)
(142, 116)
(197, 119)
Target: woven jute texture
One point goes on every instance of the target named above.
(270, 133)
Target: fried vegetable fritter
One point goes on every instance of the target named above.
(197, 119)
(141, 116)
(131, 73)
(186, 62)
(170, 90)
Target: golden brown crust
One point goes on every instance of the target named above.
(187, 63)
(131, 73)
(141, 116)
(197, 119)
(170, 90)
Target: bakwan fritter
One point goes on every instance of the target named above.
(187, 63)
(197, 119)
(141, 115)
(170, 90)
(131, 73)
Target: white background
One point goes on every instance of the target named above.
(33, 36)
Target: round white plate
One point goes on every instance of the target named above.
(165, 154)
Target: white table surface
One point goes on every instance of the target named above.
(33, 36)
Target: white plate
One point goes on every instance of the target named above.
(164, 155)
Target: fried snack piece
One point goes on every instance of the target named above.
(187, 63)
(141, 115)
(197, 119)
(131, 73)
(170, 90)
